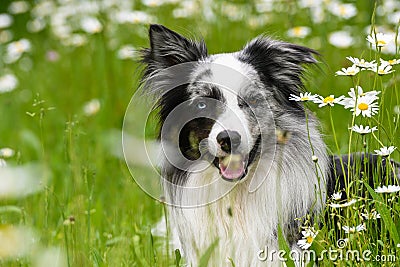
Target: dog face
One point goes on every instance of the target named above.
(223, 109)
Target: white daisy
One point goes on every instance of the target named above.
(382, 69)
(387, 189)
(8, 82)
(341, 10)
(133, 17)
(329, 100)
(5, 20)
(385, 151)
(18, 7)
(350, 71)
(153, 3)
(6, 152)
(361, 63)
(126, 52)
(303, 97)
(349, 102)
(341, 39)
(379, 39)
(360, 92)
(16, 49)
(308, 237)
(391, 62)
(92, 107)
(363, 129)
(353, 229)
(343, 205)
(373, 215)
(91, 25)
(299, 32)
(364, 105)
(337, 196)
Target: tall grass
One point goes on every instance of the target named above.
(88, 211)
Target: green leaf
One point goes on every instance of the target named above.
(178, 257)
(385, 214)
(284, 246)
(207, 255)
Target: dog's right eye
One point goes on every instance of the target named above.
(201, 105)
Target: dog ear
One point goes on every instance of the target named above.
(168, 48)
(279, 64)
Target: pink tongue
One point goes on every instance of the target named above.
(233, 170)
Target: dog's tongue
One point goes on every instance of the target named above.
(232, 166)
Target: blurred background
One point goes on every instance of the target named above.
(68, 69)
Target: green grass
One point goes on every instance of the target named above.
(43, 121)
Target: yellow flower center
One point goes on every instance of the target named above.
(304, 98)
(310, 239)
(363, 106)
(381, 71)
(19, 47)
(392, 61)
(351, 72)
(381, 42)
(342, 10)
(329, 99)
(297, 31)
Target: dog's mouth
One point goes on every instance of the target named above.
(234, 167)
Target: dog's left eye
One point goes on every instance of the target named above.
(201, 105)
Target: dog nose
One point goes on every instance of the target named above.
(228, 140)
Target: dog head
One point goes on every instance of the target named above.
(225, 108)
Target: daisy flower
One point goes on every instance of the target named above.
(385, 151)
(343, 205)
(363, 129)
(373, 215)
(349, 102)
(91, 25)
(345, 11)
(8, 82)
(353, 229)
(364, 105)
(5, 20)
(350, 71)
(16, 49)
(126, 52)
(303, 97)
(379, 39)
(387, 189)
(299, 32)
(391, 61)
(92, 107)
(382, 69)
(6, 152)
(337, 196)
(341, 39)
(308, 237)
(329, 100)
(361, 63)
(360, 92)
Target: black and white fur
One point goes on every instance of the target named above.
(255, 108)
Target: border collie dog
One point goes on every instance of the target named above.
(239, 158)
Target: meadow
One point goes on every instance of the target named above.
(68, 70)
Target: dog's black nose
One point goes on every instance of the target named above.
(228, 140)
